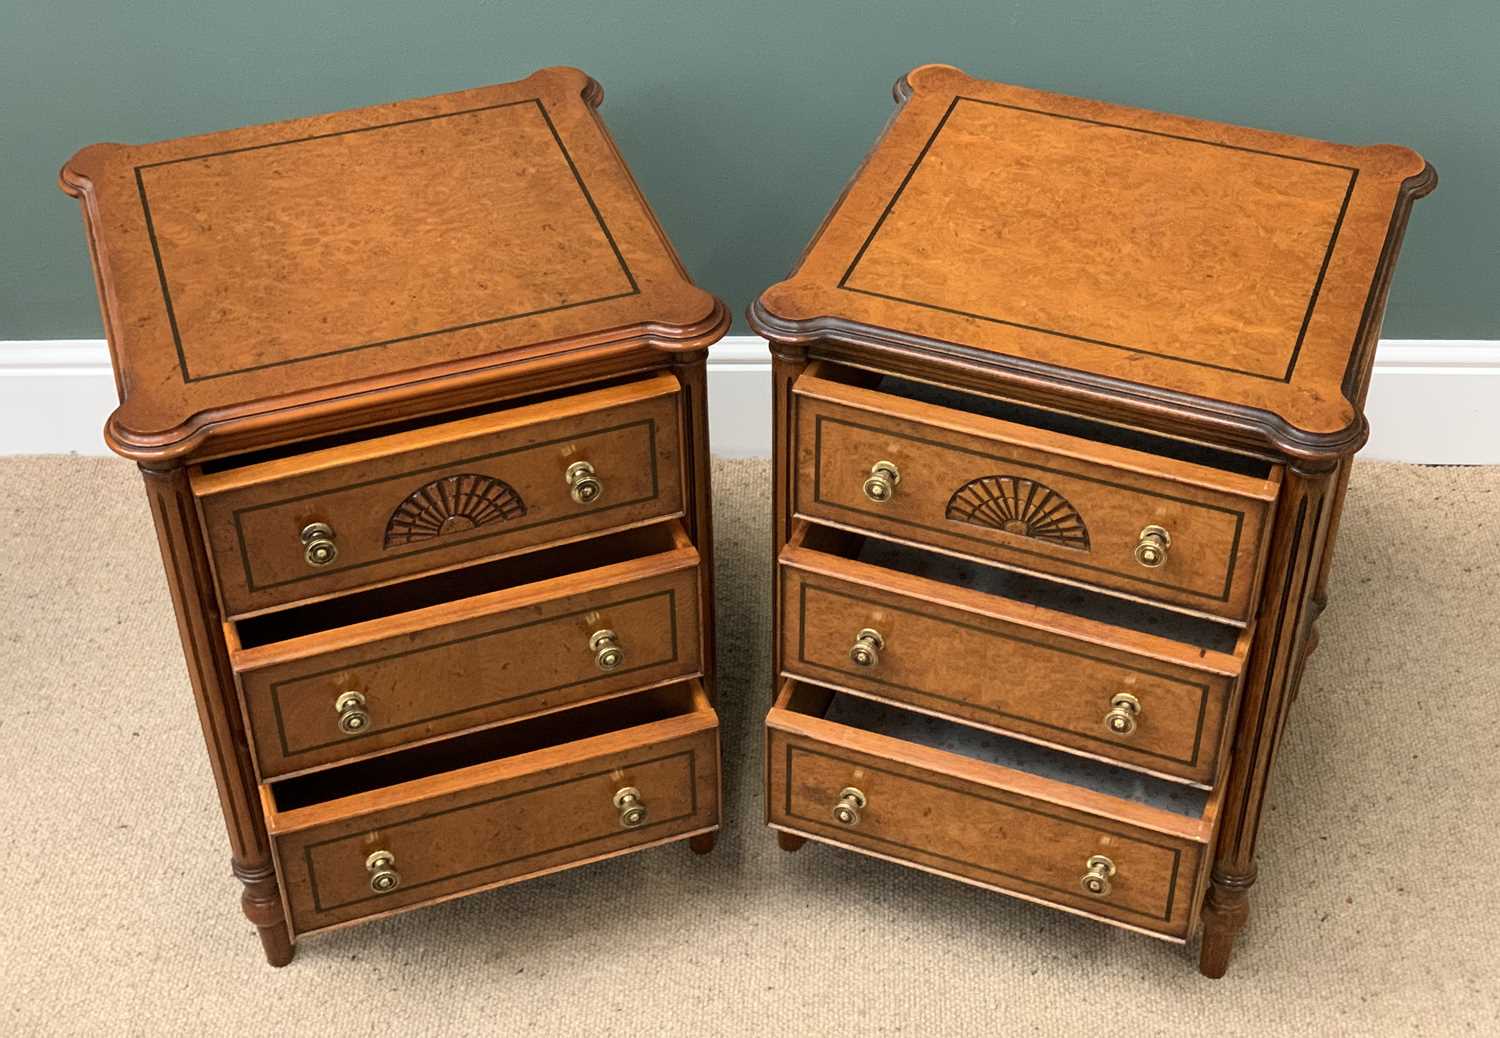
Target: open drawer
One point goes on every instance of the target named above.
(352, 515)
(493, 807)
(476, 646)
(1010, 816)
(1156, 519)
(1140, 686)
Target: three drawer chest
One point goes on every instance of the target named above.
(1066, 396)
(418, 395)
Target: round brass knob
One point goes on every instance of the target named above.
(317, 544)
(865, 652)
(1151, 550)
(583, 484)
(1096, 880)
(605, 646)
(631, 807)
(1124, 709)
(851, 802)
(381, 865)
(353, 717)
(883, 480)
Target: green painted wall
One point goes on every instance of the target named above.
(743, 119)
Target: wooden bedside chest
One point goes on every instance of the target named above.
(418, 394)
(1066, 396)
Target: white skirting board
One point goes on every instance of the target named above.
(1434, 402)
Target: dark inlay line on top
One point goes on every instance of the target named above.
(161, 272)
(1317, 288)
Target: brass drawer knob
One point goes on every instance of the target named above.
(865, 652)
(1151, 550)
(1096, 880)
(318, 547)
(1124, 710)
(605, 645)
(583, 484)
(353, 717)
(883, 480)
(381, 865)
(851, 802)
(631, 807)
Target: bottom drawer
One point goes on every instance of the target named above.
(1011, 816)
(477, 811)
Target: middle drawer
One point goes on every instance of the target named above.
(468, 648)
(1143, 687)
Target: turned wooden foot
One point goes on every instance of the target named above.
(790, 842)
(1224, 914)
(276, 941)
(1213, 955)
(703, 843)
(262, 904)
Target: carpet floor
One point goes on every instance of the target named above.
(1374, 912)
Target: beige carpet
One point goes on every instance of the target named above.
(1374, 913)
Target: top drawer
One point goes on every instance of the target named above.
(315, 524)
(1150, 526)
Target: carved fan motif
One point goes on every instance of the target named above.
(1020, 506)
(451, 505)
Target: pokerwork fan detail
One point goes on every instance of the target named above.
(1017, 505)
(452, 504)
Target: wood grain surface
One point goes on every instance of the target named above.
(397, 250)
(1087, 247)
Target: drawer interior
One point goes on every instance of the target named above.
(432, 760)
(1053, 421)
(1075, 601)
(465, 582)
(1039, 762)
(427, 421)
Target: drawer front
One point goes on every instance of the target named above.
(1031, 499)
(948, 652)
(494, 832)
(416, 502)
(502, 664)
(982, 834)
